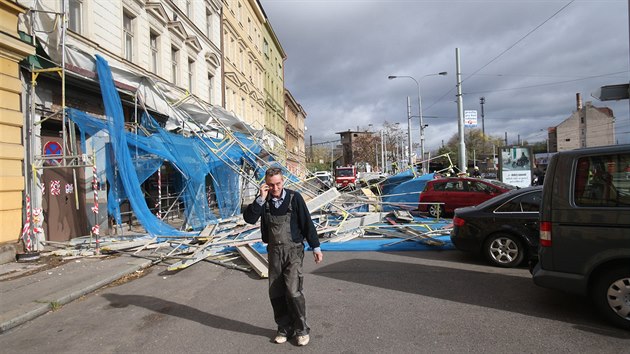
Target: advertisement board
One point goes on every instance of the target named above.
(515, 165)
(470, 119)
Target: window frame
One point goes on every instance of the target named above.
(154, 38)
(128, 35)
(191, 74)
(79, 19)
(174, 64)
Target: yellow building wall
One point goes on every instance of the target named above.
(243, 22)
(12, 50)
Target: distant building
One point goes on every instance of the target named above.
(348, 146)
(588, 126)
(295, 114)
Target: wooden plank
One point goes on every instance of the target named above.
(208, 230)
(255, 259)
(198, 256)
(403, 215)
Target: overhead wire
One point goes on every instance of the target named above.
(503, 52)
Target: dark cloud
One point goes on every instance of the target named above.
(339, 54)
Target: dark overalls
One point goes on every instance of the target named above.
(285, 274)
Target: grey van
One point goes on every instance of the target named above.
(585, 228)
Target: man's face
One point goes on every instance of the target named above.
(275, 183)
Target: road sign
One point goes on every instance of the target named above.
(612, 92)
(470, 119)
(52, 148)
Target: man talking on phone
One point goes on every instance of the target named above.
(285, 223)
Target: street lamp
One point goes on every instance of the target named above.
(442, 73)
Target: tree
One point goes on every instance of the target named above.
(477, 144)
(367, 147)
(321, 158)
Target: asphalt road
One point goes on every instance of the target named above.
(357, 302)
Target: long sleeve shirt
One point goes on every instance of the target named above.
(302, 227)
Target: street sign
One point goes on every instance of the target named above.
(612, 92)
(470, 119)
(52, 148)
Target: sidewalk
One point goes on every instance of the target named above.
(30, 296)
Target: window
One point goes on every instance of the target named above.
(265, 47)
(529, 202)
(454, 186)
(188, 8)
(602, 181)
(75, 18)
(210, 87)
(240, 59)
(128, 33)
(153, 43)
(209, 24)
(191, 74)
(174, 64)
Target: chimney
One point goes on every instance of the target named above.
(578, 99)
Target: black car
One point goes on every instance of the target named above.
(504, 229)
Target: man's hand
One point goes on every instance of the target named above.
(319, 256)
(264, 190)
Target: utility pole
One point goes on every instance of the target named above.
(383, 162)
(311, 150)
(409, 163)
(460, 114)
(482, 101)
(332, 169)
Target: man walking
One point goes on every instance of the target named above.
(285, 223)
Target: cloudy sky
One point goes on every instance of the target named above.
(527, 62)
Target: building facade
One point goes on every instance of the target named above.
(274, 56)
(244, 66)
(295, 114)
(12, 51)
(163, 53)
(588, 126)
(349, 147)
(177, 41)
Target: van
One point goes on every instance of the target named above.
(584, 245)
(324, 177)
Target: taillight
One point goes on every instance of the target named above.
(545, 233)
(459, 222)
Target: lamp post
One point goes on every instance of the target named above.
(442, 73)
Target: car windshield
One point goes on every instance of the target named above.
(344, 173)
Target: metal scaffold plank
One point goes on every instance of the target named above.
(321, 200)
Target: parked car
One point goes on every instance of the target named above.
(457, 192)
(489, 175)
(503, 229)
(325, 177)
(585, 228)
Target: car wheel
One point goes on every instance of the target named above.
(504, 250)
(435, 210)
(611, 295)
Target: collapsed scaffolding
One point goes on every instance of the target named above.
(216, 158)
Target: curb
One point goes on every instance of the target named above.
(44, 308)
